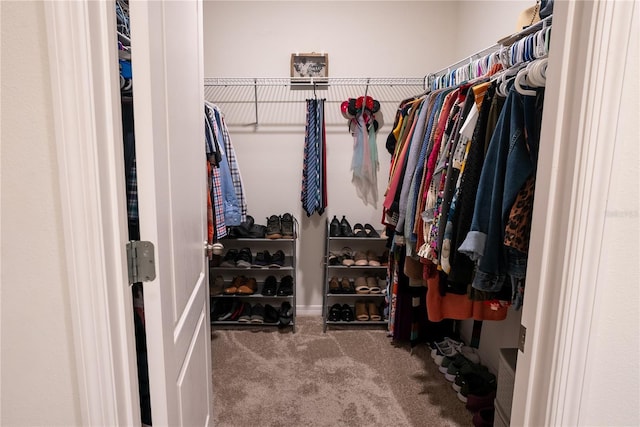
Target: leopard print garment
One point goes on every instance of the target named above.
(516, 233)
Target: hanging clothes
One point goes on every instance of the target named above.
(314, 183)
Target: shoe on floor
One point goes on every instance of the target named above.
(484, 417)
(334, 227)
(274, 227)
(286, 225)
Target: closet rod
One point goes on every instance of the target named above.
(503, 42)
(318, 82)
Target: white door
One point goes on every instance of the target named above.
(167, 67)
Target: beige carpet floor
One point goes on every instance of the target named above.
(349, 377)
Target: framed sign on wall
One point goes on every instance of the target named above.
(309, 65)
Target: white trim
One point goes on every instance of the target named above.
(85, 93)
(580, 118)
(309, 310)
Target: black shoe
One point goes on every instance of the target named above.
(334, 227)
(270, 314)
(244, 258)
(229, 259)
(258, 231)
(286, 287)
(345, 228)
(274, 227)
(347, 313)
(245, 314)
(286, 223)
(371, 232)
(257, 313)
(358, 231)
(262, 259)
(219, 307)
(277, 259)
(270, 286)
(286, 313)
(230, 311)
(335, 313)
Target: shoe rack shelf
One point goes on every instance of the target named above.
(335, 245)
(259, 273)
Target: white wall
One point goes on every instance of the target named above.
(39, 383)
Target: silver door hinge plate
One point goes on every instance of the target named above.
(141, 261)
(521, 339)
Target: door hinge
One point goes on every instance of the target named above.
(141, 261)
(521, 339)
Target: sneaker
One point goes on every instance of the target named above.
(477, 402)
(286, 313)
(274, 227)
(479, 383)
(334, 227)
(245, 314)
(257, 313)
(277, 259)
(244, 258)
(345, 228)
(229, 259)
(286, 223)
(262, 259)
(231, 309)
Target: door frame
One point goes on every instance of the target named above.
(85, 93)
(85, 87)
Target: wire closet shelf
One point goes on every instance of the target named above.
(275, 101)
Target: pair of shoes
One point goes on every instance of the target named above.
(366, 258)
(280, 227)
(365, 231)
(446, 347)
(242, 285)
(480, 383)
(342, 286)
(247, 229)
(286, 313)
(459, 364)
(265, 259)
(367, 310)
(367, 285)
(251, 314)
(235, 258)
(219, 307)
(340, 228)
(286, 286)
(339, 312)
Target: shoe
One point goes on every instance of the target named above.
(270, 286)
(358, 231)
(334, 227)
(346, 313)
(346, 286)
(233, 287)
(345, 228)
(334, 286)
(361, 285)
(374, 312)
(244, 258)
(245, 314)
(362, 314)
(372, 259)
(286, 313)
(257, 313)
(360, 259)
(477, 402)
(258, 231)
(286, 224)
(286, 286)
(274, 227)
(335, 259)
(270, 314)
(277, 259)
(229, 259)
(232, 308)
(217, 287)
(248, 287)
(372, 284)
(370, 231)
(347, 257)
(384, 258)
(220, 307)
(477, 383)
(484, 417)
(335, 313)
(262, 259)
